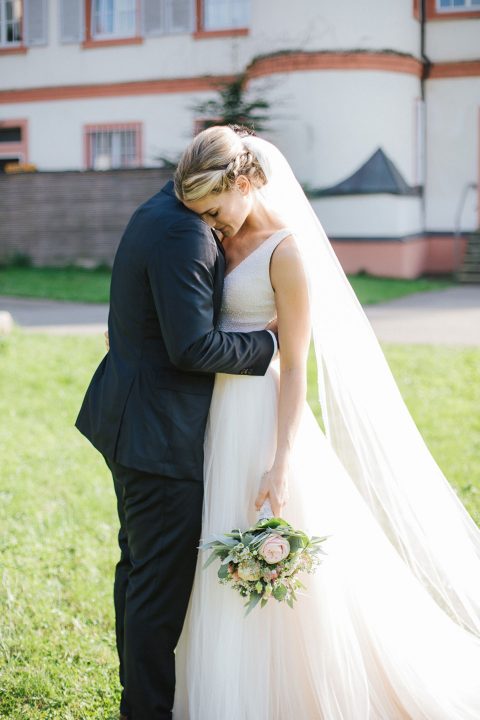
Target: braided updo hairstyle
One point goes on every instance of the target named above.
(213, 161)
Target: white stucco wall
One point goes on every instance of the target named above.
(56, 128)
(453, 40)
(329, 123)
(453, 114)
(326, 122)
(369, 216)
(276, 25)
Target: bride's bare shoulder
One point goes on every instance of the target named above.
(286, 262)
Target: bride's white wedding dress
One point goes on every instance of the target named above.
(365, 641)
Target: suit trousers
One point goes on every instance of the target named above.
(160, 526)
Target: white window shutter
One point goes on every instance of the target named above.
(36, 22)
(153, 17)
(180, 15)
(71, 21)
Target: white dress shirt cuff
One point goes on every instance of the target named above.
(275, 343)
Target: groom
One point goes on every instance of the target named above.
(146, 410)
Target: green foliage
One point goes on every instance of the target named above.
(280, 592)
(235, 106)
(70, 283)
(57, 545)
(17, 259)
(78, 284)
(371, 290)
(57, 513)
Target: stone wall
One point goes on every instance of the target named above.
(63, 218)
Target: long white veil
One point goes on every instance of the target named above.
(367, 421)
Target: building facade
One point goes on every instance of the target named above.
(100, 84)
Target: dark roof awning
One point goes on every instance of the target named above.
(377, 175)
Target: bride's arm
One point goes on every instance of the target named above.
(291, 297)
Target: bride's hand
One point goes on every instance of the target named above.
(107, 340)
(274, 485)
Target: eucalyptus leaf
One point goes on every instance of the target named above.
(253, 602)
(223, 572)
(295, 544)
(279, 592)
(210, 560)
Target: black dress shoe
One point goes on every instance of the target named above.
(123, 717)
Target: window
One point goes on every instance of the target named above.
(13, 142)
(113, 146)
(457, 5)
(202, 123)
(114, 18)
(163, 17)
(11, 20)
(72, 20)
(225, 14)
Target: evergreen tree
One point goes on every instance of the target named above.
(234, 106)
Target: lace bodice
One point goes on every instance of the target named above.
(248, 301)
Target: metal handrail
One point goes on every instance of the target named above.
(458, 224)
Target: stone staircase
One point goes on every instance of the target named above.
(469, 271)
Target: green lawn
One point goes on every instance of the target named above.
(372, 290)
(75, 284)
(58, 523)
(93, 285)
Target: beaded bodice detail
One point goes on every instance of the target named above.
(248, 301)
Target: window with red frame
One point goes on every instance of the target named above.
(13, 142)
(11, 21)
(113, 19)
(108, 147)
(225, 14)
(457, 5)
(201, 123)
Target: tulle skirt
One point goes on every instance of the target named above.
(365, 641)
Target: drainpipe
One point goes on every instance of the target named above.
(425, 60)
(425, 73)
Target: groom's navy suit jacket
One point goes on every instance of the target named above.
(148, 401)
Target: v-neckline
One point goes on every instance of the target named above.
(253, 252)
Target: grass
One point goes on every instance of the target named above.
(74, 284)
(57, 514)
(79, 285)
(371, 290)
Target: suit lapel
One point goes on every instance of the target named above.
(218, 280)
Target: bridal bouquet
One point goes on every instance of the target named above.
(264, 561)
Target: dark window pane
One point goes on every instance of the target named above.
(13, 134)
(7, 161)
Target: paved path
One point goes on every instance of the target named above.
(440, 317)
(56, 317)
(444, 317)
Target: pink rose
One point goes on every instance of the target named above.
(270, 575)
(274, 549)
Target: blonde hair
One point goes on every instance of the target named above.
(213, 161)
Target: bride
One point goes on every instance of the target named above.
(388, 628)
